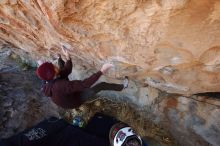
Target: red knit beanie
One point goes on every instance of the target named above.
(46, 71)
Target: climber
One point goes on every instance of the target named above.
(71, 94)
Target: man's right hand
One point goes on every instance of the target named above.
(106, 67)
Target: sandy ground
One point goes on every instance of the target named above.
(127, 113)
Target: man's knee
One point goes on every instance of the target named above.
(102, 83)
(98, 87)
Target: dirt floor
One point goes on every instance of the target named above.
(126, 113)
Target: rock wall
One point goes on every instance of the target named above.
(172, 45)
(192, 120)
(22, 104)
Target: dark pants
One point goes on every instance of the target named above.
(90, 93)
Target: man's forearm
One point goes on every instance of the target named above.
(92, 79)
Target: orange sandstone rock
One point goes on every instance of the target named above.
(172, 45)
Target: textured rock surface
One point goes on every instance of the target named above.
(21, 103)
(173, 45)
(192, 120)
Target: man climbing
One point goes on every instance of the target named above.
(71, 94)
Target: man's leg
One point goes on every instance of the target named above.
(107, 86)
(91, 92)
